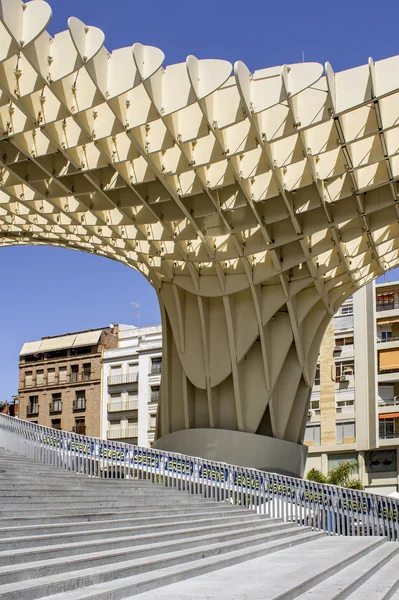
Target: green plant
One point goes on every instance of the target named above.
(343, 475)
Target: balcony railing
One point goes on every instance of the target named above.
(121, 379)
(156, 369)
(121, 406)
(393, 338)
(118, 434)
(55, 407)
(388, 435)
(154, 397)
(79, 405)
(387, 403)
(387, 306)
(32, 411)
(56, 380)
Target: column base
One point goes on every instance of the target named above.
(238, 448)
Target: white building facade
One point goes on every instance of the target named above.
(131, 384)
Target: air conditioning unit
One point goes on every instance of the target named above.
(396, 399)
(343, 378)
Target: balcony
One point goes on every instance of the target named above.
(118, 434)
(121, 406)
(156, 369)
(79, 405)
(32, 411)
(121, 379)
(55, 407)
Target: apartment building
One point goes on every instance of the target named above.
(354, 408)
(60, 380)
(131, 385)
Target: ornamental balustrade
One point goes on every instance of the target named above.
(335, 510)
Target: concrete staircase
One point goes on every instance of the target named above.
(65, 536)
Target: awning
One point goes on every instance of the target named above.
(87, 339)
(56, 343)
(389, 360)
(30, 348)
(388, 416)
(388, 321)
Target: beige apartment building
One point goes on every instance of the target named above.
(60, 380)
(354, 409)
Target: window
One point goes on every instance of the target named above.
(152, 425)
(156, 364)
(378, 461)
(312, 435)
(40, 376)
(33, 406)
(344, 370)
(347, 310)
(74, 373)
(317, 376)
(28, 378)
(80, 400)
(336, 459)
(86, 371)
(80, 426)
(345, 432)
(387, 429)
(56, 423)
(155, 389)
(50, 376)
(62, 374)
(56, 404)
(345, 405)
(344, 341)
(384, 332)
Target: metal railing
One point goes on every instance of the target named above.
(121, 406)
(121, 379)
(335, 510)
(381, 306)
(55, 407)
(79, 404)
(32, 411)
(154, 397)
(388, 435)
(156, 368)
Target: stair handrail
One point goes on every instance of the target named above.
(324, 507)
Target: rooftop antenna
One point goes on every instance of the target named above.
(303, 55)
(137, 313)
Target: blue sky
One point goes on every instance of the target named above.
(47, 291)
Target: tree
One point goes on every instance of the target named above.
(343, 475)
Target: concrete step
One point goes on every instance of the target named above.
(186, 538)
(130, 576)
(94, 504)
(171, 529)
(382, 585)
(52, 566)
(31, 509)
(122, 521)
(342, 584)
(87, 517)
